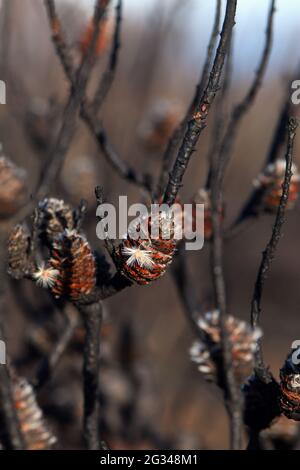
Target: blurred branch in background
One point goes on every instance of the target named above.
(178, 133)
(89, 117)
(199, 119)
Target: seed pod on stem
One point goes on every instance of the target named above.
(73, 261)
(269, 186)
(207, 352)
(18, 247)
(54, 216)
(290, 387)
(146, 258)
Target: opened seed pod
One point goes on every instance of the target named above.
(13, 188)
(54, 216)
(18, 247)
(270, 182)
(146, 259)
(207, 352)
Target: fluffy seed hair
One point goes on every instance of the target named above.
(45, 277)
(145, 260)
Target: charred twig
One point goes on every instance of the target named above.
(183, 283)
(270, 250)
(199, 119)
(178, 133)
(233, 397)
(109, 74)
(220, 119)
(78, 89)
(243, 107)
(92, 317)
(86, 112)
(232, 394)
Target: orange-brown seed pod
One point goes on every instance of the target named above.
(271, 181)
(75, 264)
(12, 187)
(18, 247)
(147, 258)
(35, 432)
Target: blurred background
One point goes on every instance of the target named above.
(152, 395)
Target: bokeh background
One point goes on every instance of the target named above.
(152, 394)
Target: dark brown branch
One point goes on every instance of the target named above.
(270, 250)
(185, 288)
(178, 133)
(55, 161)
(232, 393)
(86, 112)
(233, 398)
(242, 108)
(199, 119)
(221, 114)
(109, 74)
(92, 317)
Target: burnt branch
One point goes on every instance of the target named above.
(178, 133)
(243, 107)
(199, 119)
(232, 394)
(270, 250)
(77, 93)
(92, 317)
(109, 74)
(87, 113)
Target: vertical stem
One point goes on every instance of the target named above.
(92, 317)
